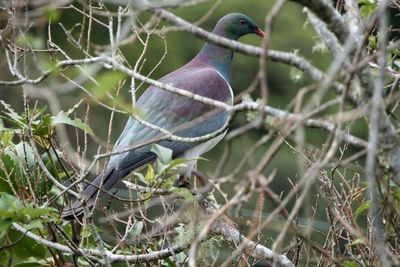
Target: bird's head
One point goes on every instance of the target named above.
(235, 25)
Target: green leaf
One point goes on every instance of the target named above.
(35, 224)
(53, 14)
(62, 118)
(26, 247)
(7, 171)
(44, 127)
(25, 154)
(372, 41)
(396, 195)
(358, 241)
(150, 175)
(161, 167)
(170, 262)
(12, 209)
(6, 137)
(55, 191)
(14, 117)
(348, 263)
(8, 205)
(28, 264)
(163, 154)
(106, 82)
(35, 212)
(367, 1)
(366, 10)
(179, 162)
(140, 176)
(363, 207)
(20, 159)
(4, 256)
(137, 229)
(184, 193)
(17, 160)
(4, 226)
(164, 157)
(147, 196)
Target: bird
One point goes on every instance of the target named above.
(208, 74)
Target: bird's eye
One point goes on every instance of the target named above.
(242, 21)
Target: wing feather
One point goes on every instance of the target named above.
(173, 112)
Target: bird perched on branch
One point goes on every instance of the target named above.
(207, 74)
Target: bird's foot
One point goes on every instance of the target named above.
(183, 181)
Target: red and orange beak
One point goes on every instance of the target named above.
(259, 32)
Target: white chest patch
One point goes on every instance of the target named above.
(230, 88)
(198, 151)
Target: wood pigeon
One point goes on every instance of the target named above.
(207, 74)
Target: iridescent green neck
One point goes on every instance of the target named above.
(216, 56)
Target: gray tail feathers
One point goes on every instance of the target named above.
(88, 197)
(104, 179)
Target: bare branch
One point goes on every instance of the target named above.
(235, 238)
(278, 56)
(325, 10)
(329, 39)
(156, 255)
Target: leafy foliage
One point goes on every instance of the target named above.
(166, 175)
(24, 186)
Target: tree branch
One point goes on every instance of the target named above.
(232, 235)
(278, 56)
(148, 257)
(333, 19)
